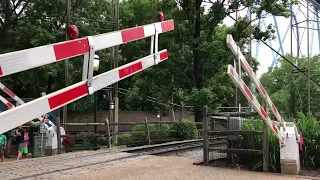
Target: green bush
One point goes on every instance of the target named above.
(309, 157)
(89, 135)
(256, 142)
(310, 128)
(139, 137)
(185, 130)
(124, 139)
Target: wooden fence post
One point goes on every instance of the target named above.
(205, 136)
(58, 135)
(108, 132)
(229, 155)
(266, 159)
(147, 131)
(266, 152)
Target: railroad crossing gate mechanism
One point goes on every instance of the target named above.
(23, 60)
(288, 136)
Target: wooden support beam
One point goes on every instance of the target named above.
(266, 158)
(205, 136)
(58, 135)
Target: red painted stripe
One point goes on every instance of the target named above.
(248, 92)
(9, 92)
(9, 105)
(263, 112)
(71, 49)
(163, 56)
(262, 89)
(67, 96)
(274, 109)
(231, 71)
(274, 127)
(167, 25)
(1, 73)
(126, 71)
(132, 34)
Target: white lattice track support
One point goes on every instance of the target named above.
(245, 65)
(253, 100)
(18, 61)
(22, 114)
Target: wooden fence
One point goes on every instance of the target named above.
(110, 135)
(209, 129)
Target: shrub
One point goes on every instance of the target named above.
(125, 139)
(310, 129)
(185, 129)
(138, 137)
(89, 135)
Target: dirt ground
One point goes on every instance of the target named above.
(174, 168)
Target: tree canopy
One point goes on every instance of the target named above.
(195, 73)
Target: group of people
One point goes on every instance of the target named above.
(22, 141)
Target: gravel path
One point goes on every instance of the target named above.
(173, 168)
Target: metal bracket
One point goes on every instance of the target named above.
(90, 64)
(154, 45)
(85, 67)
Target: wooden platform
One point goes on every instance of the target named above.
(63, 165)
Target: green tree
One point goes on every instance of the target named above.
(287, 87)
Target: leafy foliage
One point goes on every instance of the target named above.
(186, 130)
(197, 48)
(310, 129)
(286, 86)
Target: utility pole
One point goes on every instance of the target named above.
(66, 71)
(115, 12)
(250, 58)
(308, 51)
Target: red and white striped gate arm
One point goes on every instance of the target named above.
(18, 61)
(10, 93)
(33, 109)
(13, 96)
(6, 102)
(253, 100)
(235, 50)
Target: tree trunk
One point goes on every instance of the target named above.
(198, 65)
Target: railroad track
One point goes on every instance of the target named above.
(175, 146)
(75, 163)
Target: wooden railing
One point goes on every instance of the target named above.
(223, 120)
(148, 139)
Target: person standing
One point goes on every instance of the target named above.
(20, 141)
(26, 144)
(3, 145)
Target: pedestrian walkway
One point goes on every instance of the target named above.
(117, 165)
(174, 168)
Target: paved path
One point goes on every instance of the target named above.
(117, 165)
(63, 165)
(173, 168)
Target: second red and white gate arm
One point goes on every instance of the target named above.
(235, 50)
(253, 100)
(33, 109)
